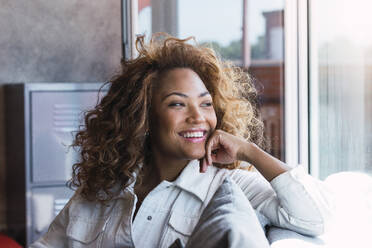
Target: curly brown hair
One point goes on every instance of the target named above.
(113, 142)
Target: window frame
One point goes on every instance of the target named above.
(313, 92)
(296, 107)
(129, 20)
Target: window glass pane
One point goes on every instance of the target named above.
(221, 27)
(341, 87)
(266, 41)
(266, 29)
(221, 24)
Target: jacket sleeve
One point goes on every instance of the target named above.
(56, 234)
(292, 200)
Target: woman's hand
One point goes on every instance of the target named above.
(223, 148)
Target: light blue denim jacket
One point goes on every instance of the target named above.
(293, 200)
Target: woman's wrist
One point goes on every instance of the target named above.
(269, 166)
(247, 152)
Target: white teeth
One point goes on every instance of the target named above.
(193, 135)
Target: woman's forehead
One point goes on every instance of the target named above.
(183, 80)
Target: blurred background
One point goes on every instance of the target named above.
(310, 61)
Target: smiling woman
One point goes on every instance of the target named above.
(158, 147)
(132, 104)
(183, 117)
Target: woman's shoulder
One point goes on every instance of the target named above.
(242, 177)
(239, 176)
(81, 207)
(243, 171)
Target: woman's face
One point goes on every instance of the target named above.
(183, 115)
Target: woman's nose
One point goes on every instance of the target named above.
(195, 115)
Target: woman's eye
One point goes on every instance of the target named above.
(207, 104)
(176, 104)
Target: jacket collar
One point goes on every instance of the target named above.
(190, 180)
(194, 182)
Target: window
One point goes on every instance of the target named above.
(340, 87)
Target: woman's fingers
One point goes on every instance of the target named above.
(203, 165)
(212, 144)
(222, 147)
(208, 150)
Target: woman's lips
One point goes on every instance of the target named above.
(194, 139)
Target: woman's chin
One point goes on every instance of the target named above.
(198, 155)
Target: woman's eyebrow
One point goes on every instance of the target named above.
(184, 95)
(204, 94)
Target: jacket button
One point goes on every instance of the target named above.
(149, 217)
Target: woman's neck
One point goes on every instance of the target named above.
(168, 168)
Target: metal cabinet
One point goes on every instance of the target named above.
(41, 120)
